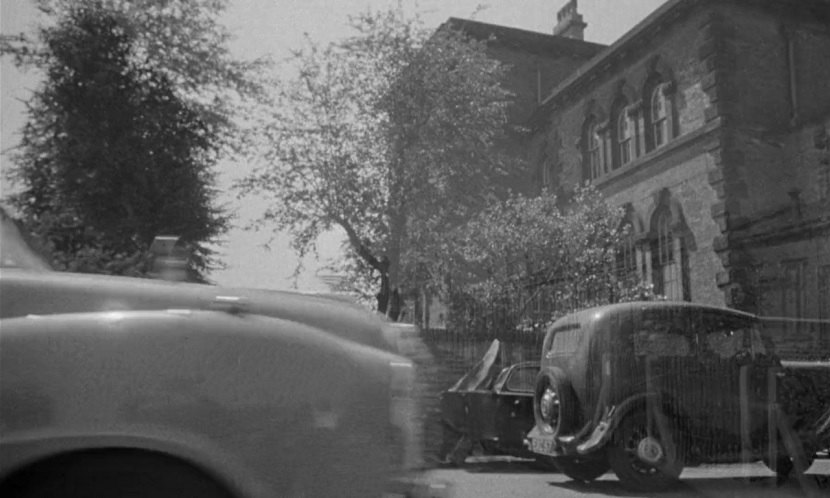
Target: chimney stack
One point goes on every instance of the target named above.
(569, 22)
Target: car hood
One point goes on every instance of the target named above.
(24, 292)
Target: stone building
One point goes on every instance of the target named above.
(709, 122)
(537, 62)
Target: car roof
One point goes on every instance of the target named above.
(581, 318)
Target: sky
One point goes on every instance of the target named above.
(273, 27)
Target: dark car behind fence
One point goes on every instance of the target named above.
(804, 347)
(803, 344)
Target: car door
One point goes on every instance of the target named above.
(512, 398)
(729, 348)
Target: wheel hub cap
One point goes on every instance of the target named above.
(548, 406)
(650, 451)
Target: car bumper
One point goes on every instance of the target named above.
(540, 443)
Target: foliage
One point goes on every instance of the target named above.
(123, 133)
(533, 259)
(389, 136)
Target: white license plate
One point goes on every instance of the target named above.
(543, 446)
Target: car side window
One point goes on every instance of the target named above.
(662, 334)
(565, 340)
(522, 379)
(661, 342)
(726, 343)
(730, 338)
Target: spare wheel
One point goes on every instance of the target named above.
(554, 403)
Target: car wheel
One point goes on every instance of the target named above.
(455, 447)
(583, 470)
(124, 474)
(641, 456)
(554, 403)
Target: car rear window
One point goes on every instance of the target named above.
(566, 340)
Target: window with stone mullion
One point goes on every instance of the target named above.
(625, 138)
(595, 152)
(659, 113)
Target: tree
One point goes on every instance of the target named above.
(556, 254)
(390, 136)
(122, 135)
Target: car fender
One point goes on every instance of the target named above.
(238, 395)
(604, 430)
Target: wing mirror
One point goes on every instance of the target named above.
(170, 257)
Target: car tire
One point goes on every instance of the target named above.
(554, 392)
(125, 474)
(455, 447)
(631, 439)
(581, 469)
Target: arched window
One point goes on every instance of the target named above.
(660, 114)
(627, 254)
(665, 238)
(625, 137)
(593, 148)
(668, 256)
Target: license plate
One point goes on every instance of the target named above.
(542, 446)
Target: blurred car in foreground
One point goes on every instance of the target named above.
(489, 410)
(648, 388)
(115, 386)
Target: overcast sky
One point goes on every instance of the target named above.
(276, 26)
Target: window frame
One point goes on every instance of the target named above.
(660, 117)
(626, 135)
(593, 148)
(665, 238)
(626, 260)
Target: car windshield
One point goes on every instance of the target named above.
(522, 379)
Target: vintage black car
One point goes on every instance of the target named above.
(489, 409)
(647, 388)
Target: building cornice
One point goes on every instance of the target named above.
(606, 61)
(614, 181)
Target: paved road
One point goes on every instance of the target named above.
(500, 478)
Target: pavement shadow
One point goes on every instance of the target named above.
(812, 485)
(504, 466)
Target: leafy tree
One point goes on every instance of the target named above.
(531, 252)
(390, 136)
(123, 133)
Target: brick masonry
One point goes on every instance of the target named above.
(749, 94)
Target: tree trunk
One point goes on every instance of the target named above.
(397, 229)
(383, 295)
(395, 305)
